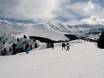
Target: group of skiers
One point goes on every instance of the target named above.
(50, 45)
(15, 48)
(26, 48)
(65, 46)
(18, 47)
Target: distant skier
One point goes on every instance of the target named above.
(47, 45)
(67, 46)
(14, 48)
(27, 48)
(52, 45)
(35, 45)
(63, 46)
(30, 47)
(4, 52)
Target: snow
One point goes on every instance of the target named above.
(83, 60)
(42, 31)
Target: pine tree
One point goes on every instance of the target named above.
(25, 36)
(100, 43)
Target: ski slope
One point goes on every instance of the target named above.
(84, 60)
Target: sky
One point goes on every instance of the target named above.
(72, 11)
(27, 8)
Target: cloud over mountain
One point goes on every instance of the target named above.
(70, 10)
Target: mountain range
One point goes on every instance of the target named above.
(52, 30)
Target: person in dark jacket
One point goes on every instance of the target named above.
(52, 45)
(27, 48)
(14, 48)
(63, 46)
(67, 46)
(31, 47)
(4, 52)
(35, 45)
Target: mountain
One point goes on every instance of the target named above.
(37, 29)
(52, 30)
(7, 27)
(10, 32)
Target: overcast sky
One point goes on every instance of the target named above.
(27, 8)
(75, 10)
(60, 10)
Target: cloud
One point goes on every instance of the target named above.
(99, 3)
(59, 10)
(93, 20)
(90, 7)
(26, 8)
(8, 7)
(70, 10)
(78, 10)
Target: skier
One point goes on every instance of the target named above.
(35, 45)
(68, 46)
(27, 48)
(52, 45)
(14, 48)
(4, 52)
(63, 46)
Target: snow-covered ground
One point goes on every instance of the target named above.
(83, 60)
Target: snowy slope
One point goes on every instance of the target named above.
(43, 31)
(84, 60)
